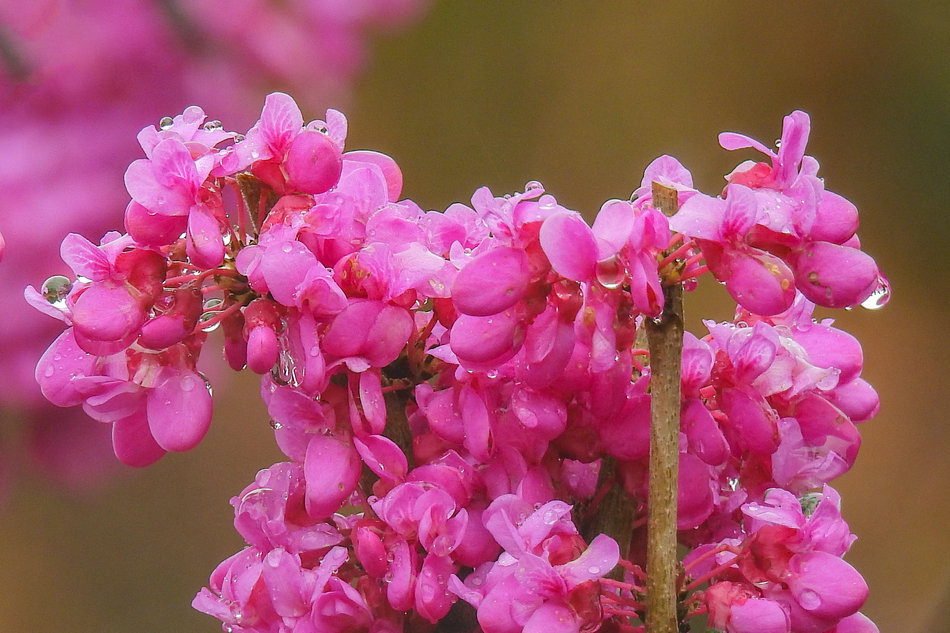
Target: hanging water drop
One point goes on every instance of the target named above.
(611, 272)
(55, 289)
(212, 126)
(207, 317)
(879, 298)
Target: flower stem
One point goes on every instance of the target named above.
(665, 338)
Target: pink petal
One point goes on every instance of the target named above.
(491, 282)
(285, 582)
(856, 399)
(387, 165)
(486, 340)
(753, 421)
(695, 497)
(834, 276)
(313, 163)
(152, 229)
(280, 122)
(284, 267)
(761, 283)
(826, 586)
(179, 410)
(107, 312)
(85, 258)
(570, 246)
(133, 443)
(383, 457)
(60, 367)
(836, 220)
(612, 227)
(262, 349)
(388, 336)
(734, 141)
(433, 599)
(552, 617)
(332, 470)
(205, 246)
(477, 423)
(740, 213)
(700, 217)
(600, 557)
(668, 171)
(759, 616)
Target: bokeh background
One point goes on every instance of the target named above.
(582, 96)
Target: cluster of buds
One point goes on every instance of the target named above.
(456, 392)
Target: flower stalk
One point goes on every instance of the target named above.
(665, 338)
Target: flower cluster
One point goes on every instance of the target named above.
(457, 391)
(78, 77)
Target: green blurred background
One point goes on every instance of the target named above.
(582, 96)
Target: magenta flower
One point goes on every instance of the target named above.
(448, 388)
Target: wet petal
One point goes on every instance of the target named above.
(179, 410)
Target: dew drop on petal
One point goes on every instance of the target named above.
(166, 122)
(593, 570)
(55, 289)
(187, 383)
(879, 298)
(809, 599)
(211, 126)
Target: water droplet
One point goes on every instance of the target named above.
(813, 277)
(611, 272)
(166, 122)
(493, 373)
(593, 570)
(287, 248)
(211, 126)
(533, 185)
(187, 383)
(214, 302)
(255, 155)
(549, 517)
(205, 318)
(274, 424)
(49, 371)
(55, 290)
(880, 296)
(809, 599)
(315, 351)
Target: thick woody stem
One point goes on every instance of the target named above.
(614, 513)
(665, 337)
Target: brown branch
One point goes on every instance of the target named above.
(665, 337)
